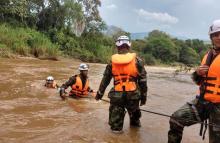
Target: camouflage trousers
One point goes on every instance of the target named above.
(117, 113)
(188, 115)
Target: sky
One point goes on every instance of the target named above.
(179, 18)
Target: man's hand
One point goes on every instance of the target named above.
(62, 93)
(98, 96)
(202, 70)
(143, 100)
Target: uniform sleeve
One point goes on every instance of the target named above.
(107, 76)
(70, 82)
(142, 77)
(198, 79)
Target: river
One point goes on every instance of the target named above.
(31, 113)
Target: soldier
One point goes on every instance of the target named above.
(207, 104)
(79, 84)
(130, 86)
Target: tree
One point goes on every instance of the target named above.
(139, 46)
(51, 16)
(13, 10)
(161, 46)
(74, 19)
(157, 33)
(188, 56)
(66, 14)
(93, 20)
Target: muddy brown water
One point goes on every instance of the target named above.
(30, 113)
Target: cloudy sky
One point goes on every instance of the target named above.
(182, 18)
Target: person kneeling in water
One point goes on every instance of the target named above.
(79, 84)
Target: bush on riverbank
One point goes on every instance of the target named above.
(26, 42)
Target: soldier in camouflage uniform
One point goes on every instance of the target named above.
(130, 86)
(207, 104)
(79, 84)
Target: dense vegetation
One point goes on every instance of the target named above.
(160, 48)
(74, 28)
(49, 28)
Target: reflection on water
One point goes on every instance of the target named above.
(31, 113)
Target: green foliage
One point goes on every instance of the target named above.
(4, 51)
(25, 41)
(62, 21)
(158, 34)
(20, 47)
(93, 21)
(13, 9)
(40, 46)
(159, 47)
(198, 46)
(93, 47)
(149, 59)
(73, 27)
(189, 56)
(139, 45)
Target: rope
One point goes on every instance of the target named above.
(165, 115)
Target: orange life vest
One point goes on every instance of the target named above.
(212, 82)
(78, 89)
(124, 71)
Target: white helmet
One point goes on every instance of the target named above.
(123, 40)
(83, 67)
(215, 27)
(50, 78)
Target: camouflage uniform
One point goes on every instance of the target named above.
(119, 101)
(191, 113)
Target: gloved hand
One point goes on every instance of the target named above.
(98, 96)
(143, 100)
(62, 92)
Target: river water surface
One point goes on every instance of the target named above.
(31, 113)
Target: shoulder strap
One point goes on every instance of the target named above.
(209, 58)
(208, 62)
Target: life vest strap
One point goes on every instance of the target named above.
(211, 92)
(78, 92)
(209, 84)
(211, 78)
(124, 80)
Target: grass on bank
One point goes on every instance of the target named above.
(26, 42)
(29, 42)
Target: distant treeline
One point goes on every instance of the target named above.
(74, 28)
(160, 48)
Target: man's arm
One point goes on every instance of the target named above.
(107, 76)
(70, 82)
(142, 80)
(198, 79)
